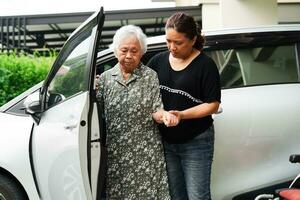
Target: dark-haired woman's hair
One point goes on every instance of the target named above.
(186, 24)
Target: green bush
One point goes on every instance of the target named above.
(18, 72)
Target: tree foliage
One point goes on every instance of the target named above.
(19, 72)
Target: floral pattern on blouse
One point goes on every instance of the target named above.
(136, 164)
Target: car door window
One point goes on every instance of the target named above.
(106, 65)
(71, 78)
(229, 67)
(257, 66)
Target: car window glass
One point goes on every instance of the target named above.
(256, 66)
(229, 67)
(71, 78)
(106, 65)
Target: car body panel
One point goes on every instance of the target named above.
(14, 150)
(249, 146)
(57, 151)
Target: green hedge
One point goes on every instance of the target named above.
(20, 72)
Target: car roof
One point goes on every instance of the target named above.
(241, 30)
(256, 29)
(225, 32)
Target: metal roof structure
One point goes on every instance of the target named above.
(49, 31)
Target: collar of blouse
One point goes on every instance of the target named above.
(118, 74)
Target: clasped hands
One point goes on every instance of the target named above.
(171, 118)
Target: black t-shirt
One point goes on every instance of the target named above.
(198, 83)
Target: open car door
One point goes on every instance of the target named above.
(66, 146)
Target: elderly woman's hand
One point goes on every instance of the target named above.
(97, 82)
(170, 119)
(162, 116)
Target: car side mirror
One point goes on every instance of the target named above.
(33, 106)
(55, 98)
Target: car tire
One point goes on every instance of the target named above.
(10, 189)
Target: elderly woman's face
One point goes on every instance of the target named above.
(129, 53)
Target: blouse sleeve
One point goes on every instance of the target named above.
(100, 90)
(155, 95)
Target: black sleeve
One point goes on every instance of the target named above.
(153, 63)
(211, 82)
(158, 60)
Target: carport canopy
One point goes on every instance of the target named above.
(40, 33)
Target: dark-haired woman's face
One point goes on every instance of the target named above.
(178, 44)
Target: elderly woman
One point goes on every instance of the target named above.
(132, 105)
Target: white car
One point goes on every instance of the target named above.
(52, 138)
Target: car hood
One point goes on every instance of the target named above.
(14, 130)
(15, 133)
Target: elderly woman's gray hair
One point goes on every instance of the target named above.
(126, 31)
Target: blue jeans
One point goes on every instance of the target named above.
(189, 167)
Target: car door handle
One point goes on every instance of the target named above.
(70, 126)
